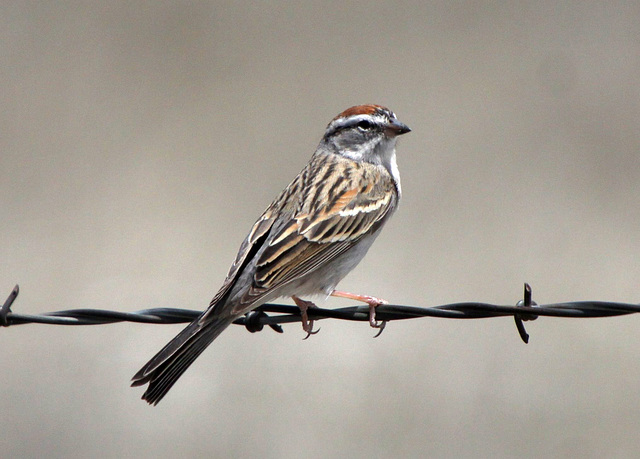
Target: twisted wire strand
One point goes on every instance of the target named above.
(273, 315)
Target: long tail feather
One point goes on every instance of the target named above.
(164, 369)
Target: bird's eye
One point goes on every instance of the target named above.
(364, 125)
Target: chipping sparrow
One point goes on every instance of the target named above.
(314, 233)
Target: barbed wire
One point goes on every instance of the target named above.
(256, 320)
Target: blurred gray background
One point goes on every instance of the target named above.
(139, 142)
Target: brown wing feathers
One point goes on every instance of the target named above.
(331, 211)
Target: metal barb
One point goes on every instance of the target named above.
(6, 307)
(253, 322)
(520, 317)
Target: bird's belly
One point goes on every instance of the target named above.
(323, 280)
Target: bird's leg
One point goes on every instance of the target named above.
(372, 301)
(307, 325)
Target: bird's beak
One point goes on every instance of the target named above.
(395, 128)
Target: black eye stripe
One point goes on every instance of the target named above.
(359, 123)
(364, 124)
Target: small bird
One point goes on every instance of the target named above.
(312, 235)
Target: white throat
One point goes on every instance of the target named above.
(395, 172)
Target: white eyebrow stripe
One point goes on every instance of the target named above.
(355, 120)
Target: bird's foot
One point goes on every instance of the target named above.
(307, 325)
(373, 303)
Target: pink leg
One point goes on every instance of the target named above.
(372, 301)
(307, 325)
